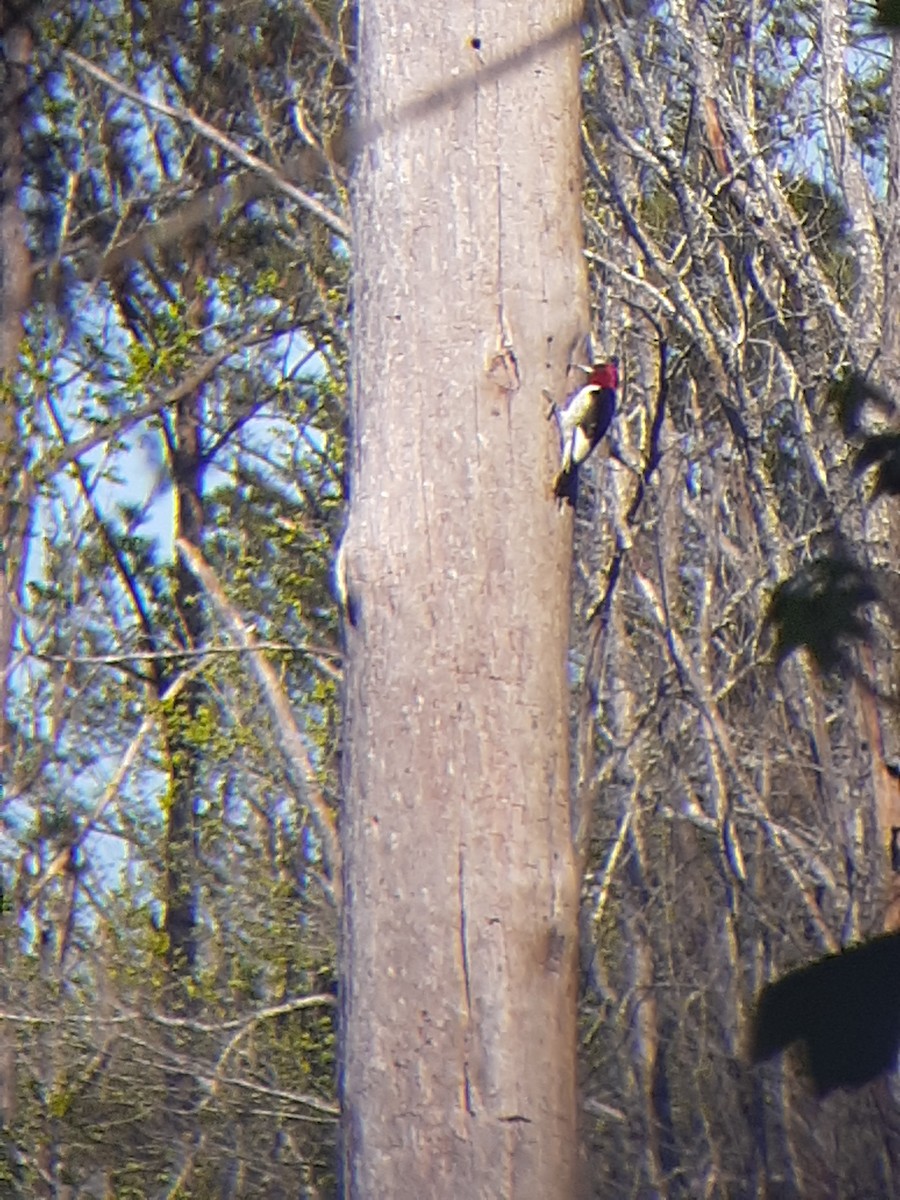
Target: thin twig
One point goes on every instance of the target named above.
(186, 116)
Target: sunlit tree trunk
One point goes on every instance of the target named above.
(459, 935)
(885, 737)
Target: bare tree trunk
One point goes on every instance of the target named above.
(185, 756)
(460, 930)
(181, 833)
(869, 296)
(15, 492)
(883, 727)
(186, 454)
(15, 286)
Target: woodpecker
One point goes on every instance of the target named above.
(584, 420)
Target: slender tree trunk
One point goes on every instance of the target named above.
(460, 930)
(15, 290)
(880, 724)
(15, 491)
(184, 753)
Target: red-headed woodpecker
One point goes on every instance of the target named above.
(585, 419)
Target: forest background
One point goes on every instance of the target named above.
(175, 346)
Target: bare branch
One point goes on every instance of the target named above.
(186, 117)
(296, 755)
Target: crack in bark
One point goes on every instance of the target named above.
(464, 955)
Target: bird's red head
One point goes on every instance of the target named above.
(605, 374)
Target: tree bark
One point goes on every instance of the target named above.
(15, 486)
(15, 291)
(881, 724)
(459, 934)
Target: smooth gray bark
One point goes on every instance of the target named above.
(459, 935)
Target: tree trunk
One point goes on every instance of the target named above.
(15, 290)
(15, 488)
(182, 843)
(184, 754)
(882, 726)
(459, 934)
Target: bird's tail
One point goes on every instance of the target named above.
(565, 485)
